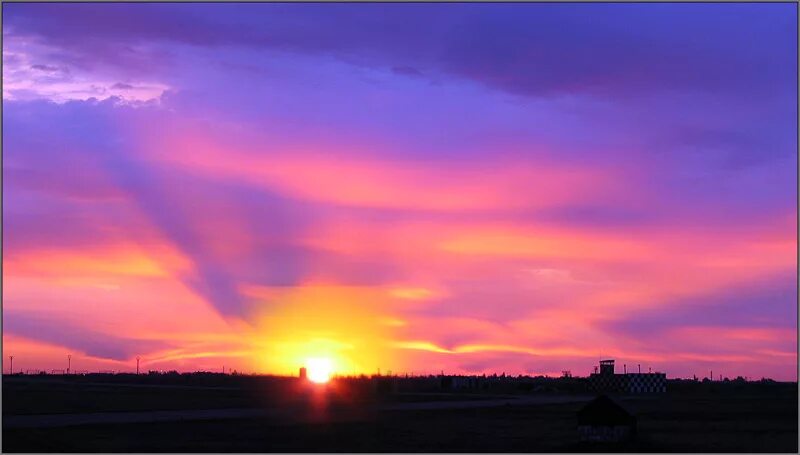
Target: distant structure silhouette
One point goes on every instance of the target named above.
(607, 381)
(303, 373)
(603, 420)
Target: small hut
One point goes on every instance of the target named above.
(603, 420)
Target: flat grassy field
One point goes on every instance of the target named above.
(675, 422)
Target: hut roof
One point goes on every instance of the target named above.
(604, 411)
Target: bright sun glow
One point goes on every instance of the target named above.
(319, 369)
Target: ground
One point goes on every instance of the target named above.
(681, 421)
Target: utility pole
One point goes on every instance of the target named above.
(640, 367)
(69, 362)
(137, 364)
(12, 363)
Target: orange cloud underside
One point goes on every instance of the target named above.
(565, 281)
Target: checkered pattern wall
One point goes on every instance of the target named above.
(629, 383)
(608, 382)
(647, 383)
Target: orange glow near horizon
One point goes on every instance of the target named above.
(342, 325)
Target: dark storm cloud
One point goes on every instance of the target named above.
(611, 49)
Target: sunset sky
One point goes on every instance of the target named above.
(474, 188)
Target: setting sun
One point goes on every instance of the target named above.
(348, 329)
(319, 370)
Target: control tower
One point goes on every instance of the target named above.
(607, 367)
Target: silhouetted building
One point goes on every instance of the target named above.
(303, 373)
(646, 382)
(603, 420)
(607, 381)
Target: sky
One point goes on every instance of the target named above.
(415, 188)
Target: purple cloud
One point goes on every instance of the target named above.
(767, 304)
(81, 337)
(251, 139)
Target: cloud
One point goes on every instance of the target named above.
(768, 303)
(509, 181)
(406, 70)
(519, 48)
(597, 215)
(46, 68)
(76, 336)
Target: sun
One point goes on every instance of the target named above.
(319, 369)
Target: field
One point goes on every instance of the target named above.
(285, 416)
